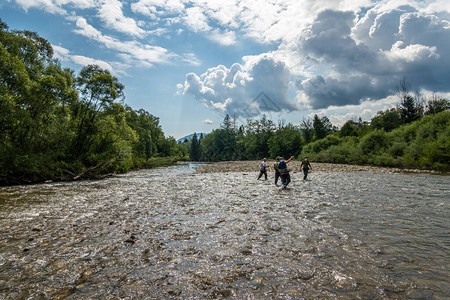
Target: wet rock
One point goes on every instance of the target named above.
(173, 293)
(246, 252)
(131, 240)
(225, 293)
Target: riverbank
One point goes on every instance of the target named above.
(253, 166)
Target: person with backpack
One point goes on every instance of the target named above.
(284, 171)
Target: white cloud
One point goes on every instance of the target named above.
(63, 54)
(208, 121)
(411, 53)
(49, 6)
(355, 61)
(110, 12)
(84, 61)
(155, 9)
(260, 85)
(226, 38)
(55, 6)
(60, 52)
(196, 20)
(140, 52)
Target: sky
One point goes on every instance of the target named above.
(191, 62)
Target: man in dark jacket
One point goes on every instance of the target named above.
(284, 171)
(305, 166)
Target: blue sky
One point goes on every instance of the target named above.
(190, 62)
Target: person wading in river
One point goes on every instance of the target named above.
(284, 171)
(263, 169)
(305, 166)
(277, 171)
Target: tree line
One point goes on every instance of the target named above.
(55, 124)
(414, 134)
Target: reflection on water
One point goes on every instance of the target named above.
(171, 233)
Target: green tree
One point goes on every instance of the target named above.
(287, 141)
(34, 124)
(98, 89)
(387, 120)
(149, 133)
(322, 127)
(348, 129)
(410, 108)
(373, 142)
(307, 130)
(436, 105)
(194, 151)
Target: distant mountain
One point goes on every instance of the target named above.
(189, 137)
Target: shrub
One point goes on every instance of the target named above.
(373, 142)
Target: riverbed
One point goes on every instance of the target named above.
(172, 233)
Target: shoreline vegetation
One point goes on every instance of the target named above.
(253, 166)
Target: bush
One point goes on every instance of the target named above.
(325, 143)
(373, 142)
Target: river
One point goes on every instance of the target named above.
(170, 233)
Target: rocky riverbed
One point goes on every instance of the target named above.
(253, 166)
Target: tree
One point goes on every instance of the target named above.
(322, 127)
(307, 130)
(98, 90)
(194, 151)
(436, 105)
(348, 129)
(227, 123)
(387, 120)
(287, 141)
(148, 130)
(410, 108)
(34, 124)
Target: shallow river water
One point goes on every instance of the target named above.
(170, 233)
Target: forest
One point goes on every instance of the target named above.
(59, 125)
(415, 134)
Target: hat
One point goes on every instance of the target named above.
(281, 158)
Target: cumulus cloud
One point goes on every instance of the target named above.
(355, 60)
(208, 121)
(260, 85)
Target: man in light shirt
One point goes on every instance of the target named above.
(263, 169)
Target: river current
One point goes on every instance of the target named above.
(170, 233)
